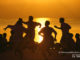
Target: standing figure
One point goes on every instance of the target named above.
(48, 39)
(16, 38)
(30, 35)
(77, 42)
(70, 43)
(65, 33)
(1, 43)
(4, 41)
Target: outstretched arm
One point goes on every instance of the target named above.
(38, 24)
(9, 26)
(57, 27)
(24, 22)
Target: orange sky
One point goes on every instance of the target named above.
(11, 10)
(38, 8)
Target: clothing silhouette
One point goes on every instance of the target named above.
(77, 36)
(16, 38)
(70, 43)
(48, 39)
(30, 35)
(4, 40)
(65, 33)
(1, 43)
(12, 38)
(46, 32)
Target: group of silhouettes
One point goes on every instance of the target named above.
(18, 42)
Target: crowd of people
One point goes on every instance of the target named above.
(18, 42)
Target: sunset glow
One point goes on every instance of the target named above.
(39, 29)
(11, 10)
(39, 38)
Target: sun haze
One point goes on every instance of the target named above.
(11, 10)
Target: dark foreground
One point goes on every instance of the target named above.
(29, 55)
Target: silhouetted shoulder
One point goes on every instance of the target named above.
(52, 29)
(66, 25)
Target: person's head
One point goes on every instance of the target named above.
(61, 20)
(30, 18)
(47, 23)
(4, 35)
(77, 35)
(20, 20)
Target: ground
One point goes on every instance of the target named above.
(29, 55)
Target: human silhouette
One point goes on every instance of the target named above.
(12, 38)
(64, 26)
(70, 43)
(65, 32)
(4, 41)
(77, 36)
(46, 32)
(1, 43)
(48, 39)
(16, 38)
(30, 35)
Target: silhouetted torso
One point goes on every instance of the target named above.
(47, 31)
(66, 39)
(48, 39)
(70, 42)
(4, 41)
(31, 30)
(17, 31)
(65, 28)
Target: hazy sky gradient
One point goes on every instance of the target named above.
(38, 8)
(11, 10)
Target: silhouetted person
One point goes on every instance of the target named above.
(65, 32)
(48, 39)
(70, 43)
(64, 26)
(77, 36)
(1, 43)
(12, 38)
(30, 35)
(4, 40)
(17, 31)
(46, 32)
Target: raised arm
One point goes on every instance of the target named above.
(9, 26)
